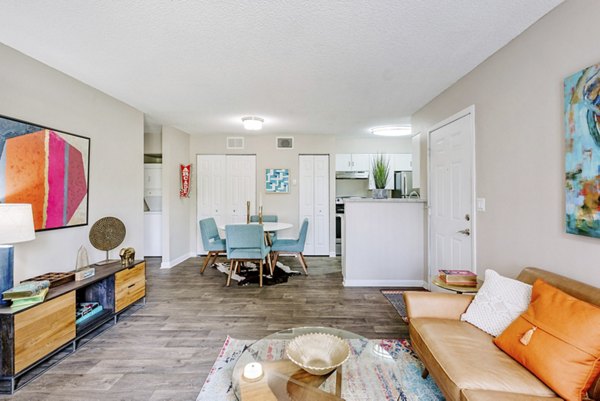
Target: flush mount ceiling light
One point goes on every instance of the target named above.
(252, 123)
(402, 130)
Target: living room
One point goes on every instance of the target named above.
(166, 349)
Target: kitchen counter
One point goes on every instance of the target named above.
(389, 200)
(383, 242)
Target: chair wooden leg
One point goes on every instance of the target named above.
(260, 271)
(425, 373)
(303, 263)
(270, 262)
(275, 257)
(231, 269)
(214, 260)
(206, 259)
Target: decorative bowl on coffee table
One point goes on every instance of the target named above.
(318, 353)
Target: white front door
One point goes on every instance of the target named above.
(451, 194)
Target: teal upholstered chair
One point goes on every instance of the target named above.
(211, 241)
(292, 246)
(246, 243)
(267, 218)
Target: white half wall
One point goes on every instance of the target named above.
(519, 117)
(34, 92)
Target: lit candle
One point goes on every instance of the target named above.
(253, 371)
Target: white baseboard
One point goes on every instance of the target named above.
(167, 264)
(384, 283)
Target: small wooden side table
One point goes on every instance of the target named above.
(457, 288)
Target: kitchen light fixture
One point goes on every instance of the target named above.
(399, 130)
(253, 123)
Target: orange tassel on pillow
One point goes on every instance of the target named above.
(527, 336)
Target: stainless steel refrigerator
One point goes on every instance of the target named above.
(402, 184)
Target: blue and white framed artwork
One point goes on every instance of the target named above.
(277, 180)
(582, 164)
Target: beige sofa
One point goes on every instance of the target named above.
(463, 360)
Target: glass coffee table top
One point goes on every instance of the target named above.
(370, 373)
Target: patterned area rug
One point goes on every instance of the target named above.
(396, 298)
(249, 273)
(218, 386)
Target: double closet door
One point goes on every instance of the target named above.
(314, 202)
(225, 183)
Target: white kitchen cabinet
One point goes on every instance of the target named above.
(314, 202)
(401, 162)
(352, 162)
(416, 161)
(225, 183)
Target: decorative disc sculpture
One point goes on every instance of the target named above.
(106, 234)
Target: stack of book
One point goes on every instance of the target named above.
(27, 293)
(461, 278)
(85, 310)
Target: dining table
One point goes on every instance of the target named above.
(268, 227)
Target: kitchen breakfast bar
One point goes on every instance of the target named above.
(384, 243)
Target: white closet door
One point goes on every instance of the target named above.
(241, 187)
(306, 172)
(314, 202)
(210, 178)
(321, 209)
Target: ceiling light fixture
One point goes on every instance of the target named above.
(402, 130)
(252, 123)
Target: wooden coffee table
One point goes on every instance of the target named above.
(283, 380)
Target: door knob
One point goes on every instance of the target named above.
(466, 231)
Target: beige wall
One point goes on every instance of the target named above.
(518, 101)
(176, 211)
(152, 143)
(34, 92)
(268, 156)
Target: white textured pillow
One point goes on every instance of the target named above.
(499, 301)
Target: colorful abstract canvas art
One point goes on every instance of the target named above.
(582, 161)
(277, 180)
(46, 168)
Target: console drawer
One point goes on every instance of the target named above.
(130, 285)
(43, 328)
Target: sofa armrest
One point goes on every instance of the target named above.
(436, 304)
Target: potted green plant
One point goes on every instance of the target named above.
(380, 168)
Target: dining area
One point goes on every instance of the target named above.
(255, 243)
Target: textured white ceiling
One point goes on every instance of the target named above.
(306, 67)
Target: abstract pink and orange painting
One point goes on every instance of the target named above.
(46, 168)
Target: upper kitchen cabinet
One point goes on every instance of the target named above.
(352, 162)
(401, 162)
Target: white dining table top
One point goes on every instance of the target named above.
(268, 226)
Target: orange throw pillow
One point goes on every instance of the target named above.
(557, 339)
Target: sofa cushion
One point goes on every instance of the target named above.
(499, 301)
(460, 356)
(562, 346)
(485, 395)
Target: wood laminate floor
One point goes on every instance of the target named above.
(165, 350)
